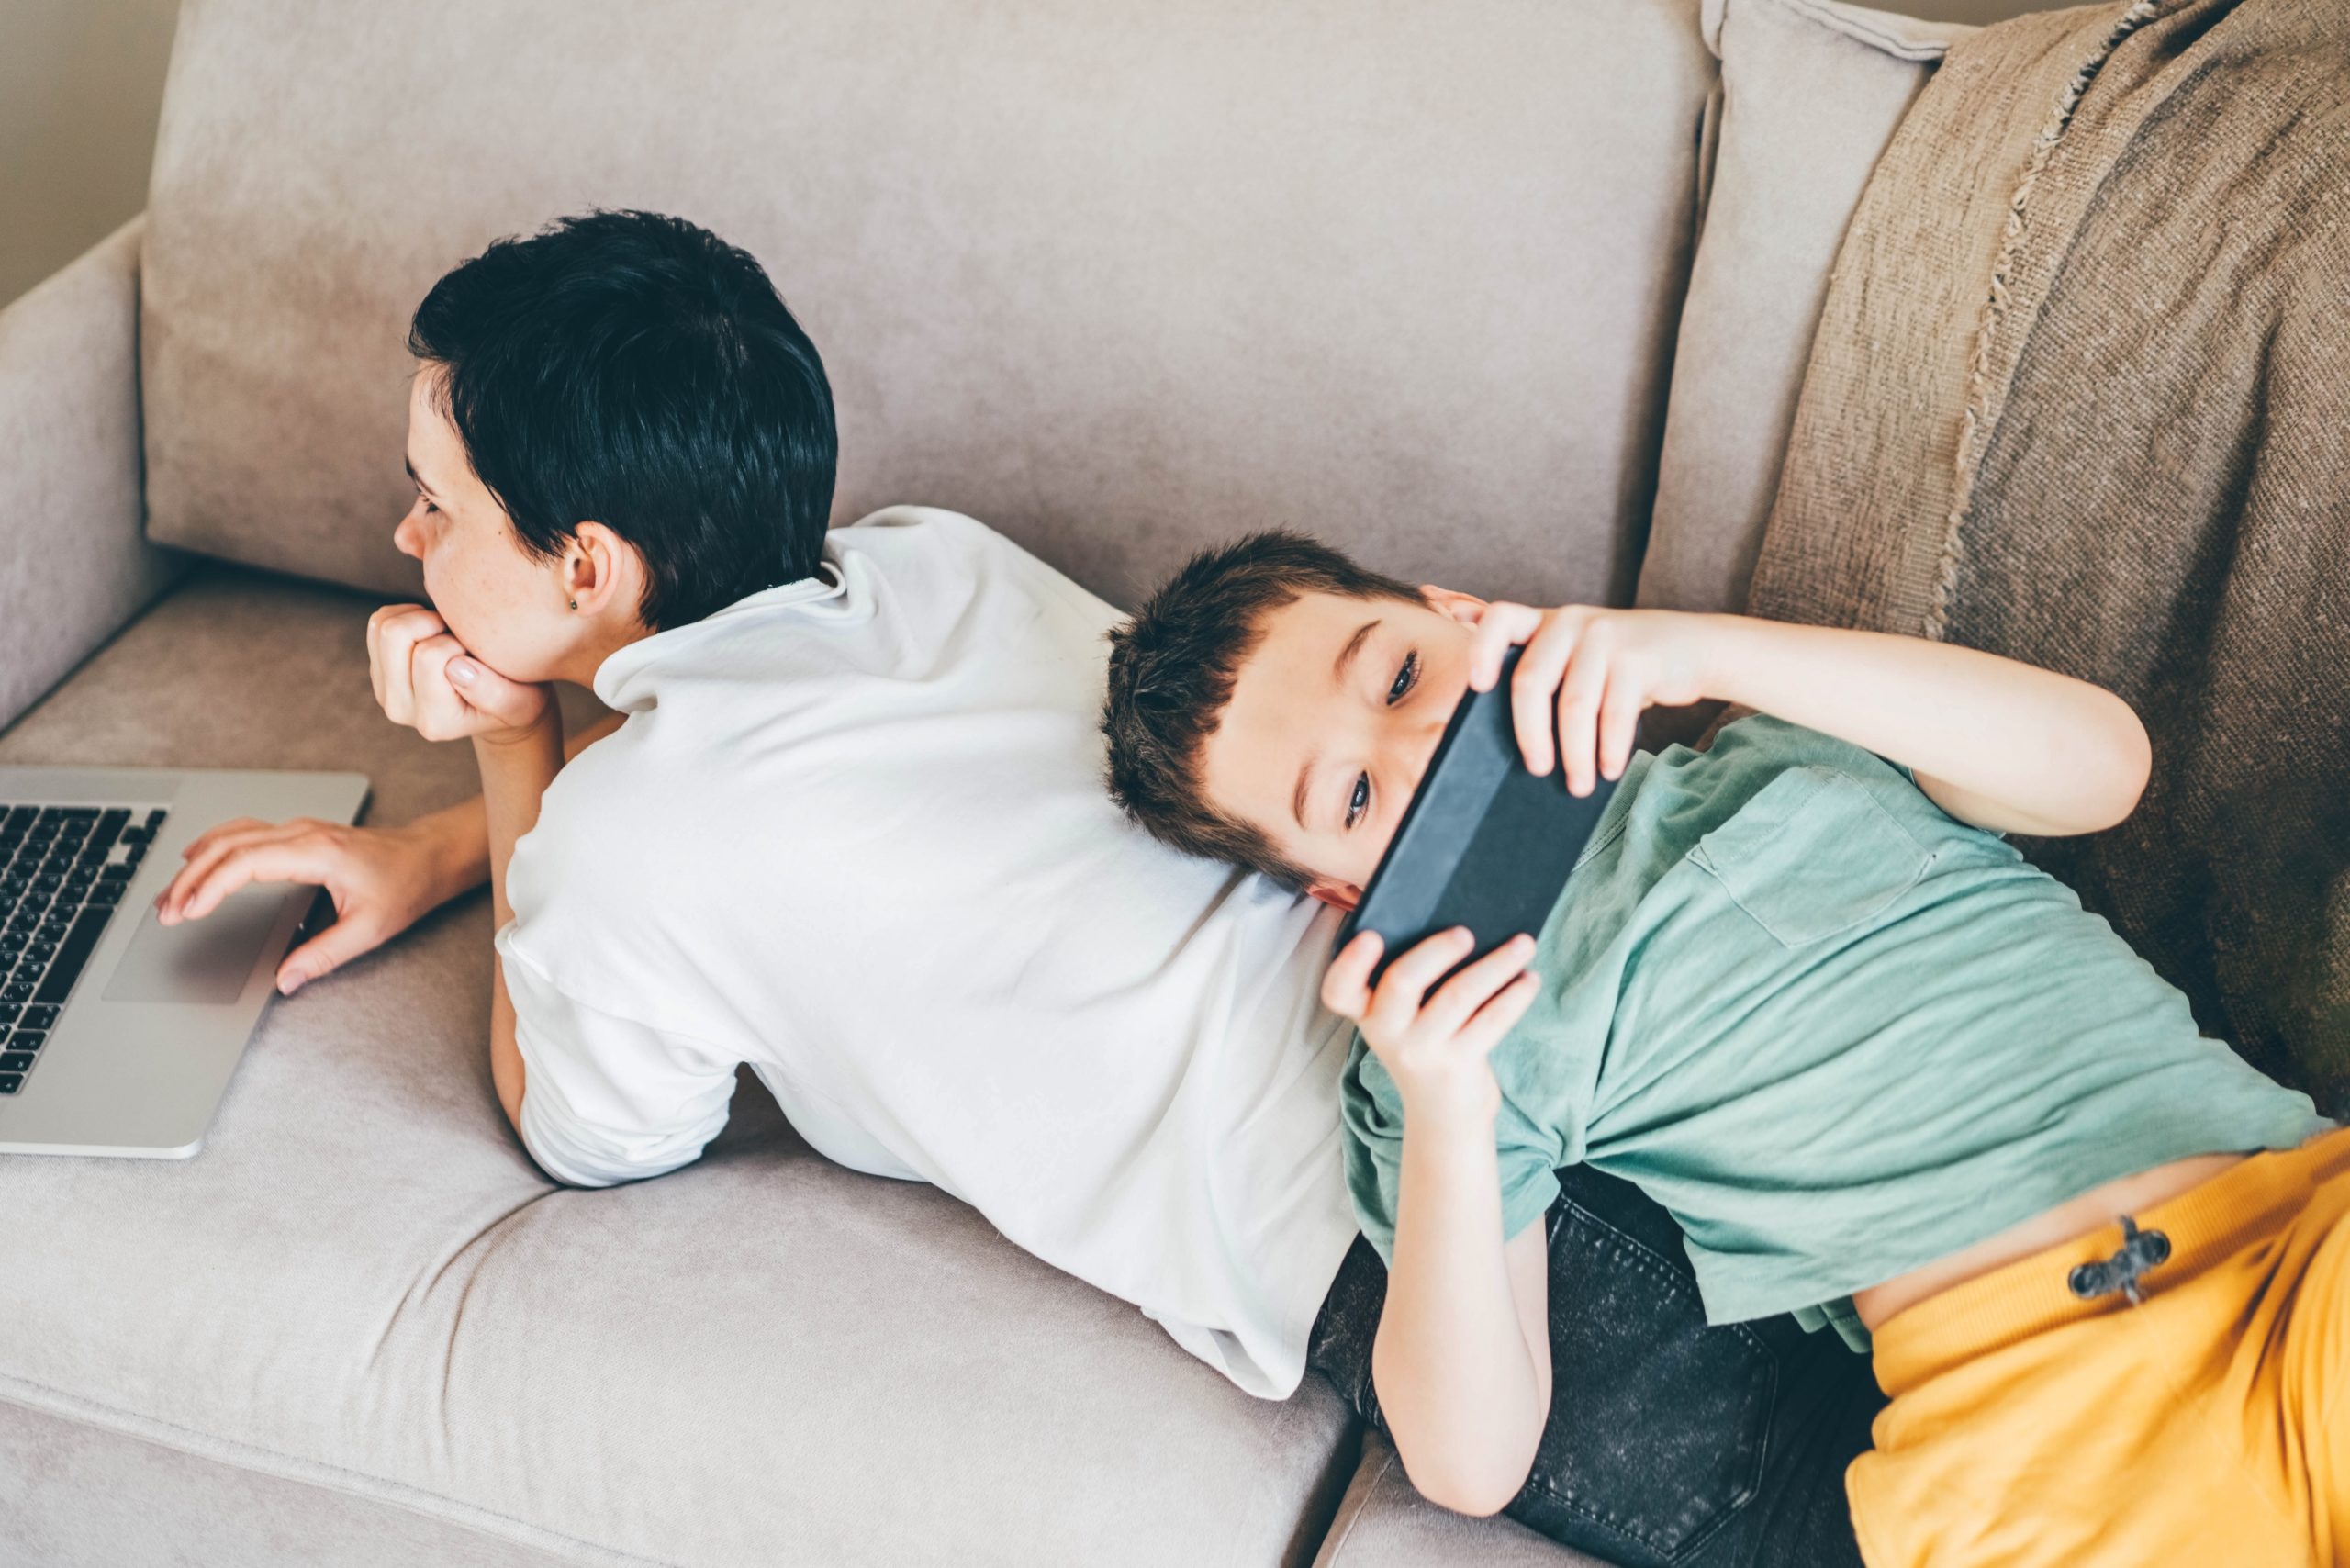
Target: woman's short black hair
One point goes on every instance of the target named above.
(637, 370)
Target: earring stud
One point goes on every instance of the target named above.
(574, 604)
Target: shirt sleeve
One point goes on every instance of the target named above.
(606, 1098)
(1373, 1114)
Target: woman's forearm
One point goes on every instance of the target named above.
(515, 774)
(2004, 745)
(457, 838)
(1464, 1392)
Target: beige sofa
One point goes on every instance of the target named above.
(1119, 278)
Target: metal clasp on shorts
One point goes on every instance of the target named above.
(2141, 1250)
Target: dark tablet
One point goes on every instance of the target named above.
(1485, 844)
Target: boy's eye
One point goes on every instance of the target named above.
(1360, 798)
(1403, 678)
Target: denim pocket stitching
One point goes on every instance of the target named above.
(1749, 1464)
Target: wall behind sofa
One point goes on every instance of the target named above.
(80, 84)
(80, 81)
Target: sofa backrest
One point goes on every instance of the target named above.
(1120, 277)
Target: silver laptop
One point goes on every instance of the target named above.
(117, 1034)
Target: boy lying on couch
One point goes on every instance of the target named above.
(851, 832)
(1800, 990)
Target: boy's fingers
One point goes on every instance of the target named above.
(1501, 628)
(1346, 984)
(1500, 1015)
(1453, 1004)
(1536, 685)
(1579, 696)
(1401, 989)
(1620, 722)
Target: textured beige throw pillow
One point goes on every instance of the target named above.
(1811, 94)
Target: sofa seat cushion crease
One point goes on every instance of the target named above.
(363, 1285)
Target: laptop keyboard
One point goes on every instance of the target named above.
(63, 872)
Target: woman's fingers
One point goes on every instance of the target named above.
(493, 696)
(440, 712)
(329, 949)
(209, 850)
(1458, 998)
(392, 637)
(298, 859)
(204, 841)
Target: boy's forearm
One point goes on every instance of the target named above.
(1464, 1398)
(2004, 745)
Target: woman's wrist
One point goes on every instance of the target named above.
(453, 847)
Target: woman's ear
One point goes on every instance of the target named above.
(1465, 608)
(601, 573)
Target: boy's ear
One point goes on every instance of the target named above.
(1337, 895)
(1465, 608)
(600, 571)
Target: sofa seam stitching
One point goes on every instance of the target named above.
(287, 1467)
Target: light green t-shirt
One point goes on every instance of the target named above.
(1837, 1033)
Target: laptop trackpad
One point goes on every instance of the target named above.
(205, 960)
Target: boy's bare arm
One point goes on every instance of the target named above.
(1994, 742)
(2002, 745)
(1462, 1357)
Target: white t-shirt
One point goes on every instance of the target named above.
(854, 832)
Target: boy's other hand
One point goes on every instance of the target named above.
(1435, 1046)
(424, 678)
(1592, 671)
(381, 881)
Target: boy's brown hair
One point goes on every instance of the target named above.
(1171, 672)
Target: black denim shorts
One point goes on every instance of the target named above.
(1670, 1444)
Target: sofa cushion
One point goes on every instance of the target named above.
(1383, 1523)
(1811, 94)
(65, 1484)
(363, 1284)
(1122, 278)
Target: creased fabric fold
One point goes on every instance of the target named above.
(2081, 395)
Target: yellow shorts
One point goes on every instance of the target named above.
(2205, 1426)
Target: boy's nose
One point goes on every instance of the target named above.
(404, 537)
(1424, 739)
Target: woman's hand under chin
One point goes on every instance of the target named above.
(425, 678)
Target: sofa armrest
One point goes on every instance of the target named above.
(74, 561)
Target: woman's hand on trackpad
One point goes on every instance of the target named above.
(381, 881)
